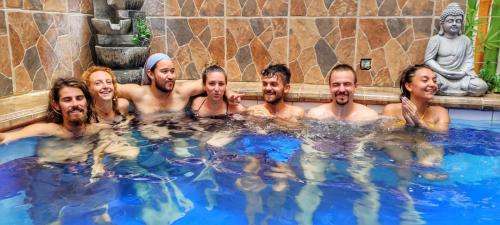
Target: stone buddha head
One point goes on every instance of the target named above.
(452, 20)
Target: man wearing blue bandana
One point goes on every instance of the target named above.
(158, 92)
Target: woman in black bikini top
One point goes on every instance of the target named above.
(215, 103)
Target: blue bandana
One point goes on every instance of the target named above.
(150, 63)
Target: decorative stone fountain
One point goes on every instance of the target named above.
(114, 23)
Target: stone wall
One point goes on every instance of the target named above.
(44, 39)
(311, 36)
(41, 40)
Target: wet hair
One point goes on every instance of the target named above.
(54, 115)
(339, 68)
(277, 69)
(86, 78)
(407, 77)
(211, 69)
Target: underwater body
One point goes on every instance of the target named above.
(234, 171)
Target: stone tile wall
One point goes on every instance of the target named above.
(41, 40)
(310, 36)
(44, 39)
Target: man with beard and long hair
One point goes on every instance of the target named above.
(342, 82)
(158, 92)
(275, 84)
(69, 114)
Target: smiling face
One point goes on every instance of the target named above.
(72, 104)
(342, 86)
(274, 88)
(452, 25)
(423, 84)
(215, 85)
(101, 85)
(163, 75)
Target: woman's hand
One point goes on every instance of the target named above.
(409, 112)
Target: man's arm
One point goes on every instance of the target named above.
(191, 88)
(131, 92)
(38, 129)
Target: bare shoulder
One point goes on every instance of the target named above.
(297, 111)
(197, 103)
(365, 112)
(257, 110)
(96, 127)
(236, 108)
(255, 107)
(189, 88)
(392, 109)
(318, 111)
(123, 105)
(440, 112)
(132, 91)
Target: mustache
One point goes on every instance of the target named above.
(341, 93)
(76, 109)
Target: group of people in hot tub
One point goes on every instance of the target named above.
(81, 107)
(96, 102)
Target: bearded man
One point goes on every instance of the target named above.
(342, 82)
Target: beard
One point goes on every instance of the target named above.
(163, 88)
(343, 93)
(77, 121)
(275, 100)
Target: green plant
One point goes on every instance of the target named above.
(471, 22)
(486, 43)
(142, 33)
(492, 79)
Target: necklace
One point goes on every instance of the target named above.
(423, 114)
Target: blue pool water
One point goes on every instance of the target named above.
(265, 174)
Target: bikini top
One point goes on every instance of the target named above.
(197, 112)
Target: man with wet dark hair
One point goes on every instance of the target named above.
(69, 114)
(342, 81)
(275, 84)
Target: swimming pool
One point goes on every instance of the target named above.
(261, 172)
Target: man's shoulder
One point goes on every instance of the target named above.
(256, 107)
(296, 108)
(366, 110)
(319, 111)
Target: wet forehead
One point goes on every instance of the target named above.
(272, 78)
(215, 76)
(165, 64)
(424, 72)
(70, 92)
(342, 77)
(100, 75)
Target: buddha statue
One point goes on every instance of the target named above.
(450, 54)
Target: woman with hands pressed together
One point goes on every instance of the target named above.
(418, 86)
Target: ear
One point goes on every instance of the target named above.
(408, 87)
(55, 105)
(150, 75)
(287, 88)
